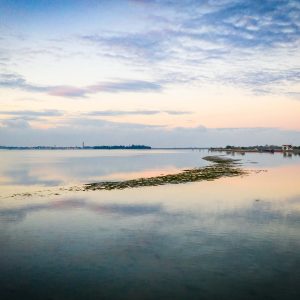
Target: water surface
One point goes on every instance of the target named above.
(233, 238)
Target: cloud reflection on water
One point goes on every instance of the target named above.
(259, 212)
(18, 214)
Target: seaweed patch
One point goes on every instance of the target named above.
(222, 167)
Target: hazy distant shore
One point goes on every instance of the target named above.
(102, 147)
(255, 150)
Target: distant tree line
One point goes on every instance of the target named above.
(74, 148)
(258, 147)
(119, 147)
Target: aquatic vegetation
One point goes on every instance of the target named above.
(220, 159)
(222, 167)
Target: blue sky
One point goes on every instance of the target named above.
(186, 72)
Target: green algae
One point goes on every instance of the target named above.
(220, 159)
(222, 167)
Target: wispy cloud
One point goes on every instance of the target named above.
(10, 80)
(75, 127)
(148, 45)
(248, 24)
(243, 24)
(33, 113)
(16, 123)
(13, 80)
(124, 86)
(22, 118)
(209, 39)
(266, 81)
(94, 132)
(135, 112)
(202, 41)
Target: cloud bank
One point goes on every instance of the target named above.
(102, 132)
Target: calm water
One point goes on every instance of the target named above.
(30, 170)
(233, 238)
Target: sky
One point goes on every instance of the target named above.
(163, 73)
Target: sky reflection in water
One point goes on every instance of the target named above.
(234, 238)
(24, 169)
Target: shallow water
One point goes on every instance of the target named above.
(27, 170)
(233, 238)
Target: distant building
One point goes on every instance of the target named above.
(287, 148)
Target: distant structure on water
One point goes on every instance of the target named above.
(287, 148)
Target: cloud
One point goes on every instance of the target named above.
(243, 24)
(15, 124)
(10, 80)
(99, 124)
(102, 132)
(33, 113)
(265, 81)
(248, 24)
(178, 42)
(207, 40)
(149, 45)
(177, 112)
(21, 118)
(124, 86)
(294, 95)
(67, 91)
(135, 112)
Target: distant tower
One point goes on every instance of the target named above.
(82, 145)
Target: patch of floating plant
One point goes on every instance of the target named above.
(222, 167)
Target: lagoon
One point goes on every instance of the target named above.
(232, 238)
